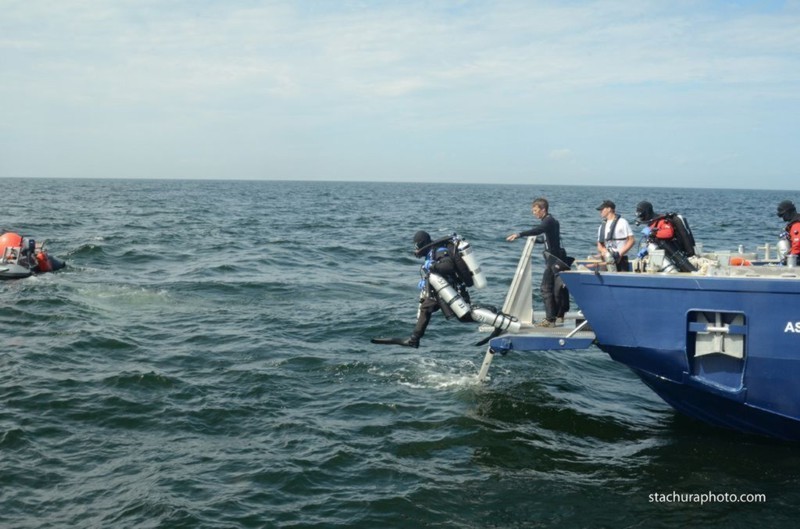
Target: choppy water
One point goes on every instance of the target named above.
(204, 361)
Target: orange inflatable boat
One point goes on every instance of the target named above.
(22, 257)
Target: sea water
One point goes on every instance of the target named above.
(204, 361)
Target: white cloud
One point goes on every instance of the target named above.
(560, 154)
(577, 73)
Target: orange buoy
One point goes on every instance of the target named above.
(739, 261)
(13, 240)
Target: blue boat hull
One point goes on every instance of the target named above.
(658, 326)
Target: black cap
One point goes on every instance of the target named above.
(785, 207)
(421, 239)
(607, 204)
(644, 211)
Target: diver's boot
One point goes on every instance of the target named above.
(412, 341)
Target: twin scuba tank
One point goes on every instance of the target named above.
(467, 263)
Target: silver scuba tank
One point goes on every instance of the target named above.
(499, 321)
(783, 252)
(662, 264)
(465, 250)
(783, 248)
(449, 295)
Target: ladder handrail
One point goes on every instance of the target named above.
(519, 299)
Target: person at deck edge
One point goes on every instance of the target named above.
(551, 230)
(788, 212)
(614, 236)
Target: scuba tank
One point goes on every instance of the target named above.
(678, 258)
(462, 309)
(501, 321)
(471, 262)
(448, 294)
(667, 265)
(467, 268)
(683, 234)
(784, 246)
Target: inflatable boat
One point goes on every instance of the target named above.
(24, 257)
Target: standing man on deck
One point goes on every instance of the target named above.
(614, 238)
(550, 230)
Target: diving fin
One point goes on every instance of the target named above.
(408, 342)
(495, 333)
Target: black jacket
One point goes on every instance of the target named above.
(551, 229)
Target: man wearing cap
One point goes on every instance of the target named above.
(614, 237)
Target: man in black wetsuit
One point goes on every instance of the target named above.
(550, 229)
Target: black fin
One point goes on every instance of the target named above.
(495, 334)
(394, 341)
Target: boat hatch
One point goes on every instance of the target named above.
(716, 349)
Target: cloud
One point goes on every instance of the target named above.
(461, 73)
(560, 154)
(384, 51)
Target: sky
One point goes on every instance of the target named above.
(669, 93)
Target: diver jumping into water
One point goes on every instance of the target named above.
(448, 270)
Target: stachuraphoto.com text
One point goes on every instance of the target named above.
(705, 497)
